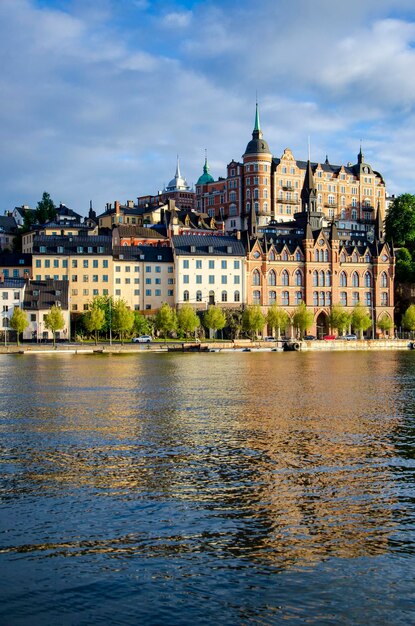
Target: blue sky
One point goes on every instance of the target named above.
(99, 96)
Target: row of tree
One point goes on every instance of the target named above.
(105, 315)
(53, 321)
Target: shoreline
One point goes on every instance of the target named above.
(195, 348)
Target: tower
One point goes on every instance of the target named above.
(257, 161)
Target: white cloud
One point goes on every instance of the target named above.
(177, 19)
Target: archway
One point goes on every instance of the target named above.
(322, 325)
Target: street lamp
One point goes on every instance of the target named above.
(110, 322)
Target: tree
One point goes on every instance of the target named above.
(400, 220)
(122, 318)
(165, 320)
(405, 267)
(214, 319)
(45, 209)
(54, 321)
(340, 318)
(360, 319)
(277, 319)
(18, 322)
(408, 318)
(142, 324)
(385, 323)
(253, 320)
(233, 322)
(302, 318)
(187, 319)
(94, 320)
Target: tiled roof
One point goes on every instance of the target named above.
(12, 283)
(13, 259)
(70, 245)
(138, 231)
(207, 245)
(7, 224)
(150, 253)
(48, 293)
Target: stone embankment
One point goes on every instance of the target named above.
(240, 345)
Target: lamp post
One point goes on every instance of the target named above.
(110, 322)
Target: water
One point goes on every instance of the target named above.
(189, 489)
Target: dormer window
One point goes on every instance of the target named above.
(210, 249)
(229, 249)
(193, 249)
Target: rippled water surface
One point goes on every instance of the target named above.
(184, 489)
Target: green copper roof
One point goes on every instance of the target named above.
(205, 177)
(257, 124)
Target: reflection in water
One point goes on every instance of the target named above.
(194, 467)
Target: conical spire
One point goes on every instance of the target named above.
(360, 156)
(178, 175)
(257, 145)
(309, 191)
(378, 224)
(257, 126)
(206, 165)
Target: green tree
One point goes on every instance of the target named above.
(361, 319)
(142, 324)
(302, 318)
(94, 320)
(253, 321)
(385, 323)
(122, 319)
(408, 318)
(165, 320)
(187, 319)
(405, 267)
(214, 319)
(277, 319)
(400, 220)
(339, 318)
(18, 322)
(233, 322)
(54, 321)
(45, 209)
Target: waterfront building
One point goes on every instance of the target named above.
(144, 276)
(271, 186)
(11, 296)
(209, 270)
(39, 297)
(85, 262)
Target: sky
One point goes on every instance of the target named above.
(98, 97)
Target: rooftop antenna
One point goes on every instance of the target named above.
(309, 149)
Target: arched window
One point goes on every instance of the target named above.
(354, 214)
(383, 280)
(343, 214)
(248, 207)
(272, 278)
(256, 297)
(355, 279)
(298, 297)
(271, 256)
(367, 257)
(265, 193)
(322, 255)
(256, 194)
(298, 278)
(354, 201)
(342, 258)
(186, 296)
(232, 196)
(224, 296)
(256, 278)
(322, 299)
(315, 278)
(237, 296)
(256, 207)
(328, 279)
(316, 255)
(298, 256)
(272, 297)
(368, 279)
(315, 298)
(328, 298)
(285, 298)
(265, 206)
(384, 298)
(248, 194)
(321, 279)
(343, 298)
(285, 278)
(284, 256)
(326, 255)
(343, 279)
(198, 296)
(354, 257)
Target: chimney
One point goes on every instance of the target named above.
(238, 235)
(117, 207)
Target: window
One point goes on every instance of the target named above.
(224, 264)
(47, 262)
(186, 296)
(198, 296)
(148, 268)
(355, 298)
(185, 264)
(272, 297)
(298, 297)
(105, 263)
(383, 280)
(85, 263)
(328, 279)
(65, 263)
(368, 298)
(355, 279)
(85, 278)
(224, 280)
(272, 278)
(148, 292)
(298, 278)
(95, 263)
(322, 298)
(237, 296)
(118, 268)
(343, 279)
(236, 265)
(74, 278)
(105, 278)
(198, 279)
(343, 298)
(199, 264)
(211, 279)
(148, 281)
(315, 278)
(256, 297)
(224, 296)
(85, 292)
(384, 299)
(95, 278)
(211, 265)
(285, 298)
(285, 278)
(158, 269)
(368, 279)
(321, 278)
(256, 278)
(38, 263)
(185, 279)
(315, 298)
(95, 292)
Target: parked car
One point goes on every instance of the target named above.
(309, 337)
(269, 338)
(142, 339)
(329, 337)
(350, 337)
